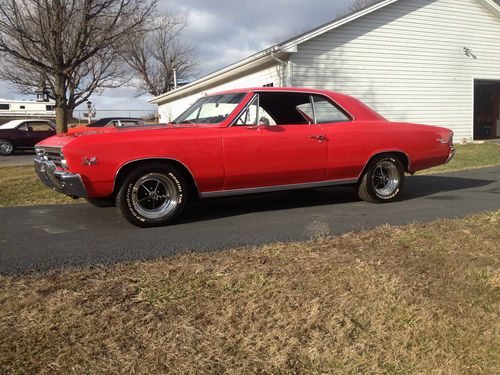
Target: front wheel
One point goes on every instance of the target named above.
(152, 195)
(6, 147)
(383, 180)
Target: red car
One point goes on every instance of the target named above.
(241, 142)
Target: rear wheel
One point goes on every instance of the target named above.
(6, 147)
(152, 195)
(383, 180)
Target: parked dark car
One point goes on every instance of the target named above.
(117, 122)
(24, 134)
(109, 122)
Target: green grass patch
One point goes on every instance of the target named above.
(20, 186)
(470, 156)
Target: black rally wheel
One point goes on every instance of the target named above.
(6, 147)
(152, 195)
(383, 180)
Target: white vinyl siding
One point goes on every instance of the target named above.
(168, 111)
(407, 60)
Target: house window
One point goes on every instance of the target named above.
(268, 85)
(4, 106)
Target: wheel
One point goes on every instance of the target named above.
(101, 202)
(383, 180)
(152, 195)
(6, 147)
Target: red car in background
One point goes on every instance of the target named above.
(241, 142)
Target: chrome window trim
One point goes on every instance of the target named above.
(234, 122)
(268, 189)
(311, 99)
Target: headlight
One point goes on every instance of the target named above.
(64, 163)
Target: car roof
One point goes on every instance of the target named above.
(15, 123)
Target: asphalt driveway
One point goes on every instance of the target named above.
(19, 158)
(47, 237)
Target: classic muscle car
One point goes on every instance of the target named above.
(241, 142)
(24, 134)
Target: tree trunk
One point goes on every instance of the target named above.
(61, 104)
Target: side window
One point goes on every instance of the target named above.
(130, 123)
(306, 111)
(249, 116)
(39, 127)
(23, 128)
(326, 112)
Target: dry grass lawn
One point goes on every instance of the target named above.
(422, 299)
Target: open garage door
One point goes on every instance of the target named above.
(486, 109)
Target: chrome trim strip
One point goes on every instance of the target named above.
(313, 105)
(268, 189)
(451, 156)
(250, 101)
(381, 153)
(154, 158)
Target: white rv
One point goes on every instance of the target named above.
(26, 108)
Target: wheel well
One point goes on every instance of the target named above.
(398, 154)
(120, 176)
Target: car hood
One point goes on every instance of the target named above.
(60, 140)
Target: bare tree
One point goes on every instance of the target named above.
(69, 45)
(361, 4)
(154, 54)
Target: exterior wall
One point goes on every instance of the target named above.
(168, 111)
(407, 60)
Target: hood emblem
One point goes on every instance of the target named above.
(90, 161)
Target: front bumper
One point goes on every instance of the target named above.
(451, 156)
(62, 182)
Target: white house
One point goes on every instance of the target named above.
(434, 62)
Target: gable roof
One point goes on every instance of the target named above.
(284, 49)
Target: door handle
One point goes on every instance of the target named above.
(320, 138)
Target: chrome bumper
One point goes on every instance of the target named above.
(62, 182)
(451, 156)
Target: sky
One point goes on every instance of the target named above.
(223, 32)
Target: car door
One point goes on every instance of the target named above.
(347, 149)
(22, 136)
(273, 143)
(38, 131)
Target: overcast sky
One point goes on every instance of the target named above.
(225, 31)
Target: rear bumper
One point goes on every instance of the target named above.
(62, 182)
(451, 156)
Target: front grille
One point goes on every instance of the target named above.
(53, 154)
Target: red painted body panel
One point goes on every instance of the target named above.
(220, 157)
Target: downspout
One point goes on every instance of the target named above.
(287, 69)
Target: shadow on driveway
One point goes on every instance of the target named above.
(415, 187)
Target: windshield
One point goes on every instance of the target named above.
(210, 109)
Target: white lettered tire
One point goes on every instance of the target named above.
(152, 195)
(382, 180)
